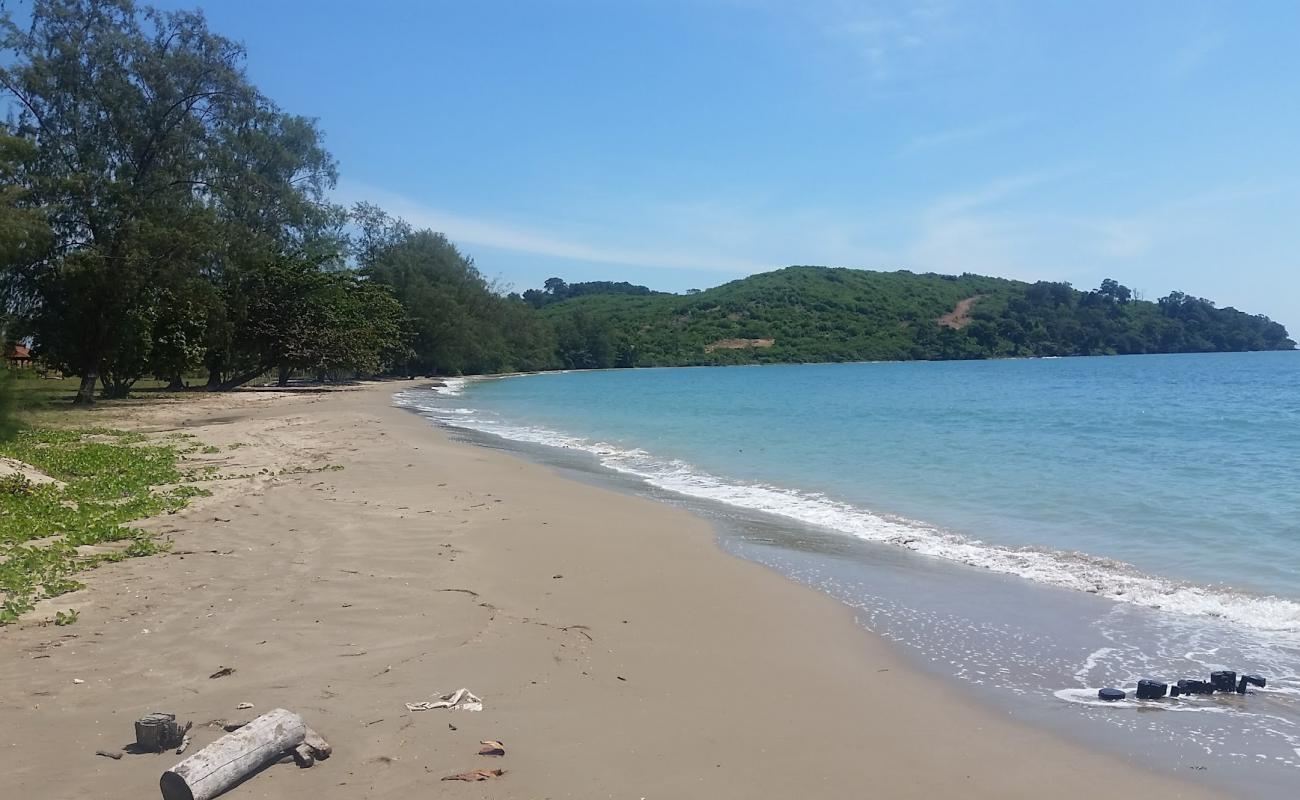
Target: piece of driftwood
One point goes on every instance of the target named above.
(476, 775)
(320, 748)
(232, 758)
(302, 756)
(313, 748)
(157, 732)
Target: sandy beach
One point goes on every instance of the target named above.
(619, 653)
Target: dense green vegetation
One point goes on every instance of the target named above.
(457, 321)
(823, 314)
(160, 216)
(103, 479)
(555, 290)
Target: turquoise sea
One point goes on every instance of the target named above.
(1035, 528)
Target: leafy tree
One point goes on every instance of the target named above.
(302, 318)
(269, 205)
(555, 290)
(24, 230)
(459, 322)
(123, 105)
(1114, 290)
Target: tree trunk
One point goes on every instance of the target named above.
(86, 392)
(214, 378)
(239, 380)
(176, 384)
(284, 376)
(117, 389)
(234, 757)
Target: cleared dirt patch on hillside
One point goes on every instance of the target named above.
(959, 317)
(737, 344)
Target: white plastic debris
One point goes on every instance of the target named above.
(459, 700)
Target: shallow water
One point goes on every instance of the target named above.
(1036, 529)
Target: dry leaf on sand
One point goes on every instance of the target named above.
(476, 775)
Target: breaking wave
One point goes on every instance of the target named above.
(1082, 572)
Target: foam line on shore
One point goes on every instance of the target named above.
(1106, 577)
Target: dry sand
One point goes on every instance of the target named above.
(619, 652)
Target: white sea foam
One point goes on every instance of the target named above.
(450, 387)
(1198, 703)
(1106, 577)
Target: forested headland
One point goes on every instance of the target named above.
(819, 314)
(161, 217)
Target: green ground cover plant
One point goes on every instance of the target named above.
(103, 480)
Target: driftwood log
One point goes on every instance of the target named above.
(235, 756)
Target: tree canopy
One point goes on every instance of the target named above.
(149, 185)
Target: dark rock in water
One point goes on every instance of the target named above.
(1111, 694)
(1151, 690)
(1255, 680)
(1241, 685)
(1174, 691)
(1195, 687)
(1223, 680)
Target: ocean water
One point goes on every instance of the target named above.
(1036, 529)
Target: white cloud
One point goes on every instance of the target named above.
(964, 134)
(1198, 44)
(505, 236)
(1005, 227)
(887, 35)
(995, 192)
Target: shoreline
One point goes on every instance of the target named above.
(1037, 670)
(1106, 574)
(619, 650)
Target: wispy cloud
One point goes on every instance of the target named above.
(887, 35)
(972, 231)
(1195, 47)
(964, 134)
(470, 230)
(1008, 226)
(995, 191)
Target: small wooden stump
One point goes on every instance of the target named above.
(157, 732)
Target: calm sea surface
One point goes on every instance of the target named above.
(1035, 528)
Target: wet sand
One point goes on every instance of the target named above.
(618, 651)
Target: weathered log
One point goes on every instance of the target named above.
(157, 732)
(234, 757)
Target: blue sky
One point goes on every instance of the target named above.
(683, 144)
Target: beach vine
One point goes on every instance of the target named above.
(67, 510)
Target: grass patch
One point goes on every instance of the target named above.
(109, 479)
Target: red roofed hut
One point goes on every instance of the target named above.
(18, 356)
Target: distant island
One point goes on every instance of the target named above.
(823, 314)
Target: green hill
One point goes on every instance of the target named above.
(802, 314)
